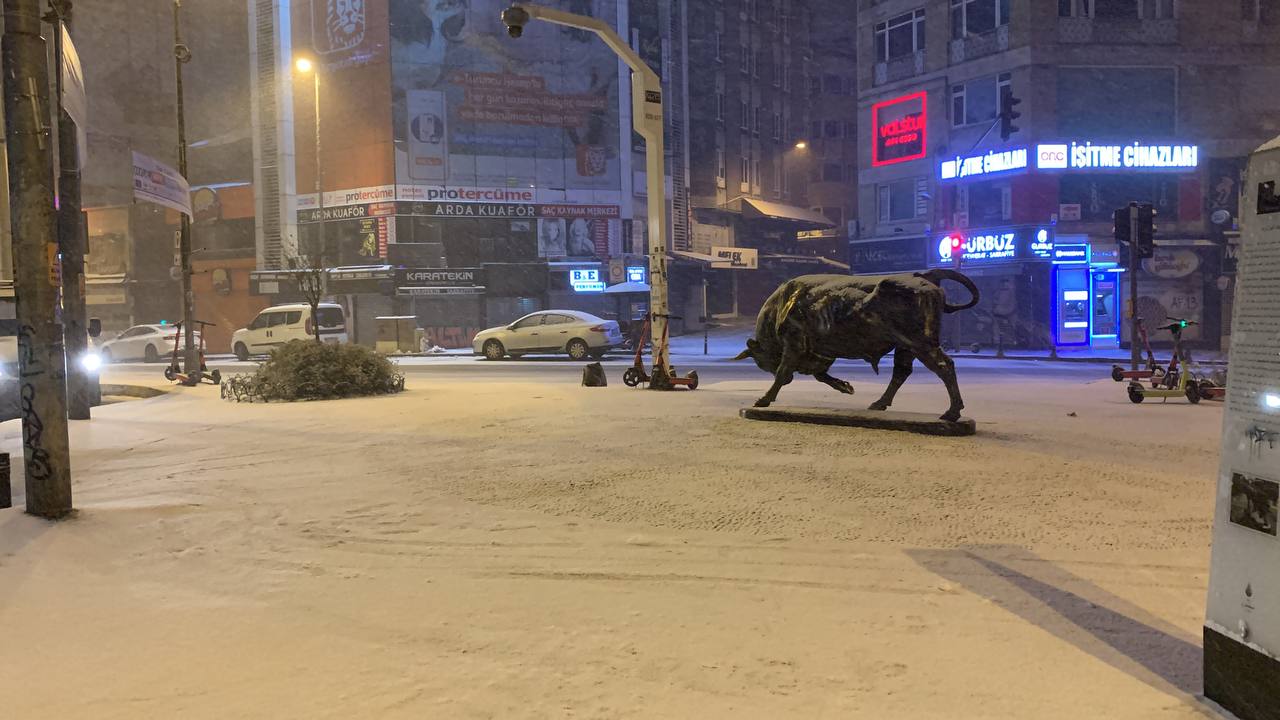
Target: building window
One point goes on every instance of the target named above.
(850, 130)
(1155, 9)
(744, 53)
(755, 173)
(777, 126)
(720, 107)
(746, 115)
(985, 204)
(786, 77)
(978, 101)
(744, 170)
(777, 73)
(897, 200)
(834, 214)
(1265, 12)
(833, 84)
(977, 17)
(1075, 8)
(832, 128)
(900, 36)
(1116, 9)
(815, 130)
(719, 46)
(1117, 101)
(831, 172)
(755, 120)
(720, 165)
(851, 173)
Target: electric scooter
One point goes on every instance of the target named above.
(174, 372)
(636, 374)
(1152, 372)
(1176, 380)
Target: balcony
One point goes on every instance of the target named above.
(1118, 32)
(976, 46)
(900, 68)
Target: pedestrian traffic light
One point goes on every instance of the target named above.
(1008, 114)
(1123, 226)
(1145, 242)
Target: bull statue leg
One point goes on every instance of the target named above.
(942, 366)
(835, 382)
(783, 375)
(902, 359)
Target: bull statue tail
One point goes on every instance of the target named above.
(936, 277)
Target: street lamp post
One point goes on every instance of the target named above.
(181, 56)
(306, 66)
(646, 103)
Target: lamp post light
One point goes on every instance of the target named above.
(305, 66)
(646, 104)
(182, 56)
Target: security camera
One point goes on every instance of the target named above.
(515, 18)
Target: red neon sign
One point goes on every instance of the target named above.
(899, 129)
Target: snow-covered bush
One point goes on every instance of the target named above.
(307, 370)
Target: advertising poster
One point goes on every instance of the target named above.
(428, 144)
(153, 181)
(551, 238)
(475, 108)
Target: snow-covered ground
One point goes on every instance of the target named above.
(481, 548)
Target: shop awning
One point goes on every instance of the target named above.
(798, 216)
(695, 257)
(627, 287)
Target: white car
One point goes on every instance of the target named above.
(576, 333)
(279, 324)
(142, 342)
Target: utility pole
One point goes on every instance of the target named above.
(71, 232)
(1135, 353)
(41, 364)
(182, 56)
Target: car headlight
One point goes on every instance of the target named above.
(91, 361)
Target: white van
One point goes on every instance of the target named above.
(279, 324)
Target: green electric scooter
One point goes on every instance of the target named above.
(1177, 380)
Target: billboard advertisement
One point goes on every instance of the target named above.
(475, 108)
(900, 129)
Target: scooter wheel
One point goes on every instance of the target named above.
(693, 380)
(169, 374)
(1135, 395)
(1117, 373)
(1193, 393)
(1206, 389)
(216, 377)
(631, 378)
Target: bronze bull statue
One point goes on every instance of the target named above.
(810, 321)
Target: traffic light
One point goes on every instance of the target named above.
(1123, 228)
(1145, 242)
(1008, 114)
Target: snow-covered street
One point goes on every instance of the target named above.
(512, 547)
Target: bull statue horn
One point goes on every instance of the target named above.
(751, 346)
(743, 355)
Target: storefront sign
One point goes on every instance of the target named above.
(1069, 212)
(637, 273)
(1074, 254)
(438, 277)
(986, 247)
(429, 291)
(1136, 156)
(443, 193)
(153, 181)
(735, 258)
(1172, 263)
(900, 129)
(887, 256)
(993, 163)
(579, 211)
(585, 280)
(476, 210)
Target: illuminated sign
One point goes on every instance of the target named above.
(584, 280)
(900, 129)
(1071, 254)
(636, 273)
(993, 163)
(1135, 156)
(985, 247)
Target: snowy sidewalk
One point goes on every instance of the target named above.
(474, 548)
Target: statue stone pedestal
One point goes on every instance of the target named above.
(876, 419)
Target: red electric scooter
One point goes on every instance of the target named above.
(174, 371)
(1153, 372)
(636, 374)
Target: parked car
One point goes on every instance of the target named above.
(279, 324)
(578, 334)
(142, 342)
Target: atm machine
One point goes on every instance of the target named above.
(1072, 296)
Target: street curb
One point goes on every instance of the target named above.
(1045, 358)
(134, 391)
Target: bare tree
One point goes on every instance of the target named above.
(311, 283)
